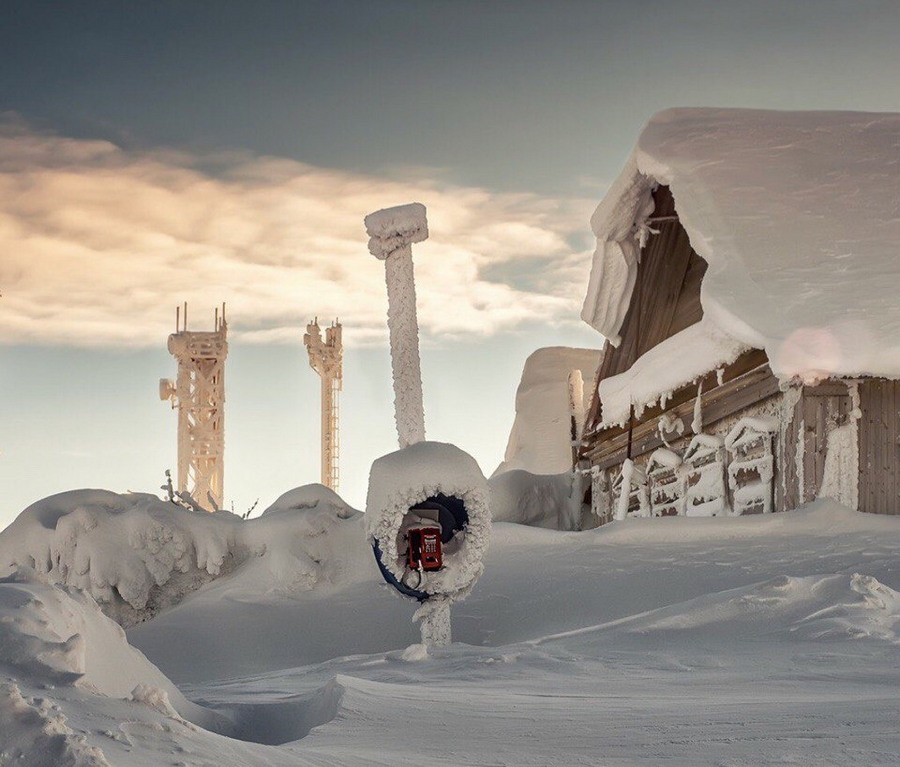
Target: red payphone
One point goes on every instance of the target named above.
(424, 548)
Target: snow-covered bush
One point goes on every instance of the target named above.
(314, 496)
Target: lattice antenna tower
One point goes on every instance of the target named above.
(198, 393)
(326, 358)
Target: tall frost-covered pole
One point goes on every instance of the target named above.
(392, 232)
(432, 488)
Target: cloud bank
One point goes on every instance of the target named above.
(98, 244)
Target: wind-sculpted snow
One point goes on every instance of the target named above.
(57, 635)
(73, 692)
(782, 609)
(137, 555)
(34, 733)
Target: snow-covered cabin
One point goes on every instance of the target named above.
(748, 265)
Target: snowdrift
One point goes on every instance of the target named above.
(540, 440)
(744, 640)
(537, 500)
(137, 555)
(785, 608)
(58, 635)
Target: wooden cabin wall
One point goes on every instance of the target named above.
(879, 443)
(816, 411)
(745, 382)
(666, 295)
(808, 415)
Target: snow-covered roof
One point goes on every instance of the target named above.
(797, 215)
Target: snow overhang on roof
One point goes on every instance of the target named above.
(797, 215)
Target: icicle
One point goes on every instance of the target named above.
(697, 423)
(624, 489)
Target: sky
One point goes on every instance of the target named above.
(155, 153)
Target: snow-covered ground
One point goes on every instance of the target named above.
(738, 641)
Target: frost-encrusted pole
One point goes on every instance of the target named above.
(392, 232)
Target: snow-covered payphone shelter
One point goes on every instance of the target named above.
(747, 266)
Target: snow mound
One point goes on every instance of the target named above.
(532, 499)
(314, 496)
(121, 549)
(137, 555)
(796, 214)
(57, 635)
(540, 440)
(296, 549)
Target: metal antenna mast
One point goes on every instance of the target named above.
(199, 394)
(326, 358)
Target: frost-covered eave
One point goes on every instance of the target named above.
(620, 226)
(675, 363)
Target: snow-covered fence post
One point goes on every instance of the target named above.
(392, 232)
(429, 488)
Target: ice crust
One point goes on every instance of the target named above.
(390, 229)
(798, 217)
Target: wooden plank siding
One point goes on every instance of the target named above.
(879, 442)
(823, 411)
(666, 295)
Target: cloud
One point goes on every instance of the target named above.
(98, 244)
